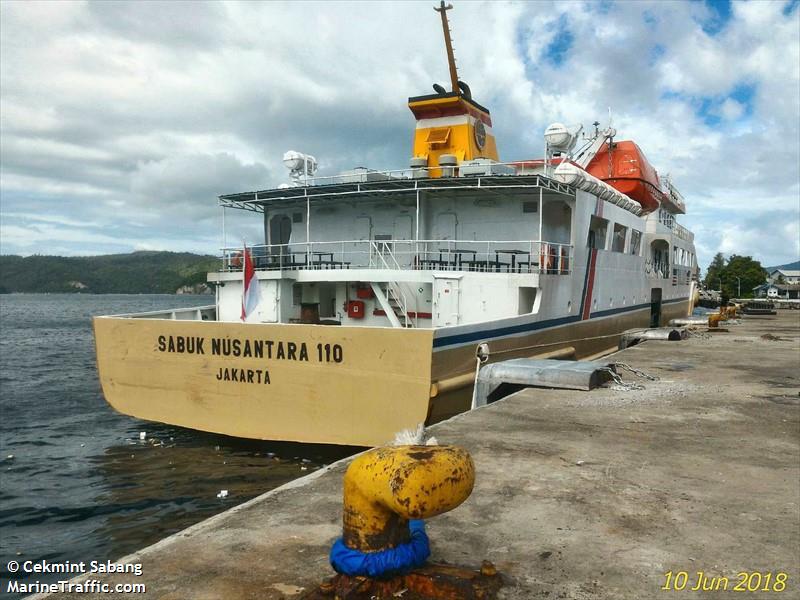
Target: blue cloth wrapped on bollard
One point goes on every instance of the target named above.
(392, 561)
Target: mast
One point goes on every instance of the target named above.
(451, 59)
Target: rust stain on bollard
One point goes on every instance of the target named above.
(386, 487)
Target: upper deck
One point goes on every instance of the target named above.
(368, 184)
(398, 220)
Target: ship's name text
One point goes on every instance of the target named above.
(270, 349)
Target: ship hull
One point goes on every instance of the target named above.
(333, 385)
(454, 355)
(228, 378)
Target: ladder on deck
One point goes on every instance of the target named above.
(391, 295)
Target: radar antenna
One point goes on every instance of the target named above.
(451, 59)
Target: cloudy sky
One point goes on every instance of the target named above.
(123, 121)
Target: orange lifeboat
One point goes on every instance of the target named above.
(623, 166)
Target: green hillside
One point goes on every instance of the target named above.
(135, 273)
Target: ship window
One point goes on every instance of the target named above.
(297, 294)
(297, 217)
(618, 240)
(598, 228)
(530, 207)
(636, 242)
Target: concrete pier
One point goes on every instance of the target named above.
(578, 494)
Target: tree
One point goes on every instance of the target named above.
(749, 272)
(780, 280)
(714, 271)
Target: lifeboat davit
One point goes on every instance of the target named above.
(623, 166)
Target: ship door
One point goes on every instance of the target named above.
(280, 231)
(446, 301)
(445, 226)
(655, 307)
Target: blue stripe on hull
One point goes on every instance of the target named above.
(485, 334)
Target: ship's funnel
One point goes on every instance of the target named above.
(451, 124)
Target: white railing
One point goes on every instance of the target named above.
(364, 175)
(668, 219)
(394, 290)
(514, 256)
(195, 313)
(683, 233)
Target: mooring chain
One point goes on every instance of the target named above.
(697, 334)
(635, 371)
(619, 385)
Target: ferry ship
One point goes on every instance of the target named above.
(373, 290)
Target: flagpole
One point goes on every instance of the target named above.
(244, 280)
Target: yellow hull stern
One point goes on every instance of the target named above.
(305, 383)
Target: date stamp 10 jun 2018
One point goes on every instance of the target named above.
(744, 581)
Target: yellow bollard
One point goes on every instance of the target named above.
(386, 487)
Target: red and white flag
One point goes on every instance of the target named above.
(250, 296)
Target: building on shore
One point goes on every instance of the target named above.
(784, 276)
(777, 290)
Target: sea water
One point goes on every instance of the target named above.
(81, 482)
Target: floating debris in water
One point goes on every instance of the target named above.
(222, 494)
(143, 435)
(580, 462)
(10, 457)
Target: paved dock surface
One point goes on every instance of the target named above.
(578, 494)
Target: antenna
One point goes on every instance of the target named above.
(451, 59)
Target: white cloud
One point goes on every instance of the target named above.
(134, 116)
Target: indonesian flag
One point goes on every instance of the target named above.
(250, 295)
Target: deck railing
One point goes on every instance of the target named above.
(520, 256)
(668, 219)
(195, 313)
(683, 233)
